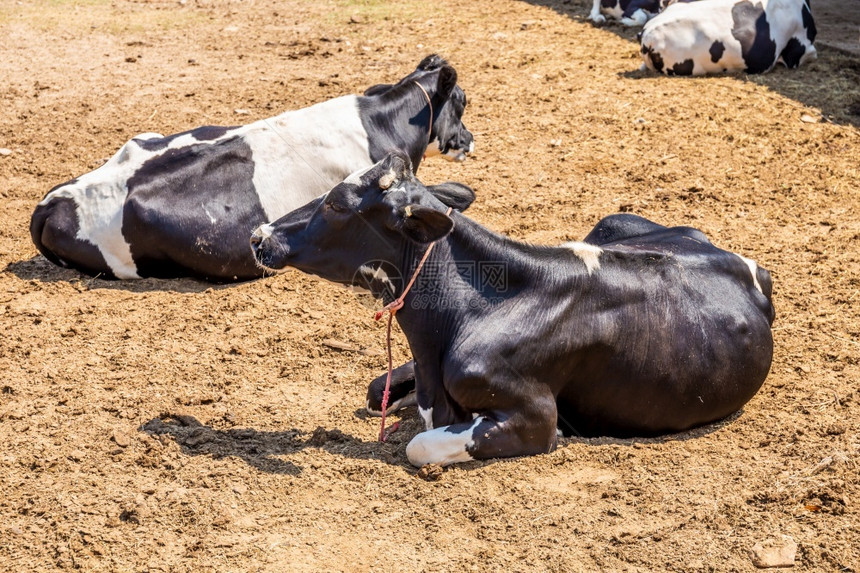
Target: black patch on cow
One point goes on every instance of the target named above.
(210, 132)
(652, 6)
(180, 193)
(752, 30)
(793, 52)
(717, 50)
(684, 68)
(54, 228)
(205, 133)
(809, 22)
(654, 56)
(609, 3)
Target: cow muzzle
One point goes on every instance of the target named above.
(268, 251)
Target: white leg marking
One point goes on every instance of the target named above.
(638, 19)
(753, 268)
(595, 15)
(427, 416)
(589, 254)
(442, 447)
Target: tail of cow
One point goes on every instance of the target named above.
(766, 283)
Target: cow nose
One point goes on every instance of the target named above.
(259, 235)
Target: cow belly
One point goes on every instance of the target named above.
(696, 372)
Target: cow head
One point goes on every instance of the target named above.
(447, 136)
(354, 234)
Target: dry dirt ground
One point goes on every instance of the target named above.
(181, 426)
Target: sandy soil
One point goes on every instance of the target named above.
(182, 426)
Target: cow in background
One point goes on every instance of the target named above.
(719, 36)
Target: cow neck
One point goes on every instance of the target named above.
(397, 108)
(392, 309)
(453, 266)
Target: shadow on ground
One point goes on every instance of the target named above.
(836, 95)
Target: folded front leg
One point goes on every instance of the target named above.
(402, 390)
(529, 430)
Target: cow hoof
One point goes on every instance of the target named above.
(598, 18)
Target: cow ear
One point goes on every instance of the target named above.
(395, 167)
(423, 224)
(447, 82)
(454, 195)
(377, 89)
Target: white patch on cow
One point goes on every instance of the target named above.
(589, 254)
(212, 219)
(354, 178)
(263, 231)
(427, 416)
(434, 149)
(753, 271)
(299, 153)
(442, 447)
(638, 18)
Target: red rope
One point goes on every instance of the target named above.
(392, 309)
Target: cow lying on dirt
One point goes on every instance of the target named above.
(639, 330)
(717, 36)
(184, 205)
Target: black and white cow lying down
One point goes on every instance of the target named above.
(628, 12)
(184, 205)
(718, 36)
(639, 330)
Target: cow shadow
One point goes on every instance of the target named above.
(40, 269)
(829, 84)
(262, 449)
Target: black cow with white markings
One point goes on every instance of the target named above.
(718, 36)
(638, 330)
(184, 205)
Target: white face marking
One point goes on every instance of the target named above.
(264, 231)
(301, 154)
(442, 447)
(589, 254)
(753, 269)
(427, 416)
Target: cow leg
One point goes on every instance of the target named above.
(402, 392)
(595, 15)
(637, 18)
(528, 431)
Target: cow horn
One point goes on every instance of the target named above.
(387, 180)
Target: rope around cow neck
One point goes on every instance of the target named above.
(392, 308)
